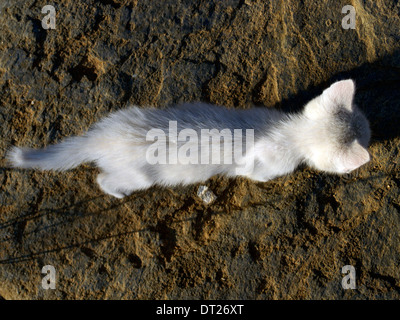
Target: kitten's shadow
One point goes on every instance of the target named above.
(377, 95)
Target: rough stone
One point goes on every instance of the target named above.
(284, 239)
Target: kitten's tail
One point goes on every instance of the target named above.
(63, 156)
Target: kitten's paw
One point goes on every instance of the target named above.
(102, 181)
(116, 195)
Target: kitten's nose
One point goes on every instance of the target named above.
(354, 158)
(360, 158)
(366, 157)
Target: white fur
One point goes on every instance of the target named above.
(118, 145)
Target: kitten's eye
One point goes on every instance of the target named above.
(348, 140)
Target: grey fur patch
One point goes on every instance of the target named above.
(350, 126)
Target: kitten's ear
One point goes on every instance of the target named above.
(355, 157)
(341, 93)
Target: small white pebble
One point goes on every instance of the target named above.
(206, 195)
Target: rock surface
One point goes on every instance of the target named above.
(285, 239)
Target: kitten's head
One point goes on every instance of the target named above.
(338, 133)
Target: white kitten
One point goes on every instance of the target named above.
(140, 147)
